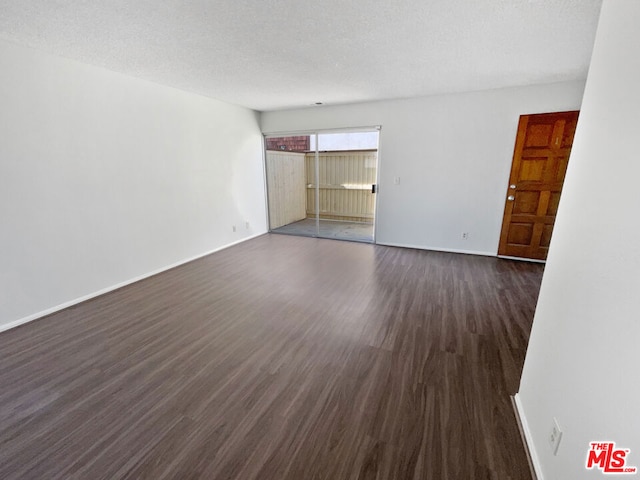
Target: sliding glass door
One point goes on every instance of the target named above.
(323, 184)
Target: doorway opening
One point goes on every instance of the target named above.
(323, 184)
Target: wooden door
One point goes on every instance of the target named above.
(539, 165)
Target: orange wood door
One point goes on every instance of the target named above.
(539, 165)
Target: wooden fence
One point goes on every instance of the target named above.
(286, 187)
(345, 180)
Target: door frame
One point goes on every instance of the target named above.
(316, 132)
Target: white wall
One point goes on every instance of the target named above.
(104, 178)
(453, 156)
(583, 357)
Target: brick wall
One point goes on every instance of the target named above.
(289, 144)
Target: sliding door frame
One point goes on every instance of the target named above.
(317, 133)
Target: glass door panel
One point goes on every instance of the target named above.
(287, 185)
(323, 184)
(347, 173)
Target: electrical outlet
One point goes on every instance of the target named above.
(555, 436)
(465, 235)
(246, 225)
(233, 227)
(396, 180)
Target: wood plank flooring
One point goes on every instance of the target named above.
(280, 358)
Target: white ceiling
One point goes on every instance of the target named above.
(275, 54)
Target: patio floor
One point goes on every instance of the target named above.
(336, 229)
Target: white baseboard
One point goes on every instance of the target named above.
(84, 298)
(528, 439)
(437, 249)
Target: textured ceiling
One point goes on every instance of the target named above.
(275, 54)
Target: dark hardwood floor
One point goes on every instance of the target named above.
(280, 358)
